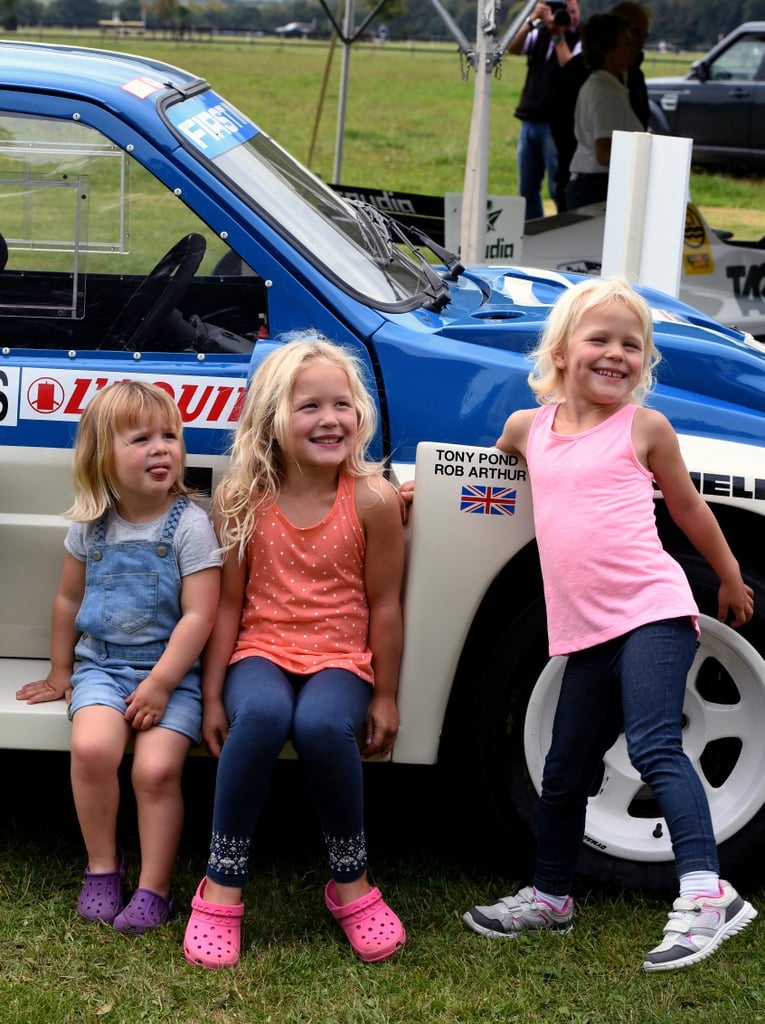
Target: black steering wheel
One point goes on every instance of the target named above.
(157, 295)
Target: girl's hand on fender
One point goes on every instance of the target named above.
(214, 727)
(406, 497)
(382, 727)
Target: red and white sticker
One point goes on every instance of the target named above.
(143, 86)
(212, 403)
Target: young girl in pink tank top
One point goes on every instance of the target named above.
(620, 608)
(307, 642)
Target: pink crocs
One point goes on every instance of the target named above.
(213, 934)
(370, 926)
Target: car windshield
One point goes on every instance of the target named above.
(357, 254)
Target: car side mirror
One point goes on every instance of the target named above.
(700, 71)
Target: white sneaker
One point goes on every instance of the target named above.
(696, 927)
(519, 914)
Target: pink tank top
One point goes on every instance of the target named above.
(305, 597)
(604, 568)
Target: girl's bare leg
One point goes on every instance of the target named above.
(158, 761)
(347, 892)
(99, 737)
(221, 894)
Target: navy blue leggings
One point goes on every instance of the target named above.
(322, 715)
(635, 682)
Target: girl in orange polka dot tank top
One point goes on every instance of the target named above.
(307, 642)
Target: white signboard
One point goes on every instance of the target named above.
(504, 226)
(645, 211)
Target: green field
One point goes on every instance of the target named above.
(432, 853)
(407, 117)
(432, 856)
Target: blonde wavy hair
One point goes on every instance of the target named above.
(113, 411)
(546, 378)
(257, 463)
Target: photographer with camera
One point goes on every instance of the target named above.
(549, 40)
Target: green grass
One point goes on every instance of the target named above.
(296, 966)
(408, 113)
(432, 856)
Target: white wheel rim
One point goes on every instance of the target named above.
(610, 826)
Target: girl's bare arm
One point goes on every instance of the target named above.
(692, 514)
(383, 573)
(64, 635)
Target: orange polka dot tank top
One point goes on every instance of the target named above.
(305, 600)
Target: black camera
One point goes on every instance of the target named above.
(560, 13)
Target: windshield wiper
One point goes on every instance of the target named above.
(375, 231)
(449, 259)
(382, 231)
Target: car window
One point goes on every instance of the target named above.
(84, 225)
(740, 62)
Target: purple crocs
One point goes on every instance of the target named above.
(101, 896)
(146, 911)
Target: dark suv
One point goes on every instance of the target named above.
(720, 104)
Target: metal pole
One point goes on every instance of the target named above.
(348, 22)
(322, 94)
(475, 189)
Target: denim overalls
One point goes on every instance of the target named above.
(130, 607)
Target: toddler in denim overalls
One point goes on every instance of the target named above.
(131, 605)
(135, 605)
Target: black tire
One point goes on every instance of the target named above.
(509, 712)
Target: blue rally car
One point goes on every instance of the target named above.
(150, 229)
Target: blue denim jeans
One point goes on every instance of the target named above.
(637, 682)
(322, 715)
(537, 156)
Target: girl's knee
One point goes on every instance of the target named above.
(320, 735)
(656, 752)
(158, 760)
(156, 775)
(94, 755)
(566, 786)
(266, 717)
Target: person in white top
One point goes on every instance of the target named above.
(602, 107)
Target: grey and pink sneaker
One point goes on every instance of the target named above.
(697, 927)
(518, 915)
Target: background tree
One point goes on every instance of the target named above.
(688, 24)
(10, 15)
(29, 12)
(75, 13)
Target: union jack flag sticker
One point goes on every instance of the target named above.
(488, 501)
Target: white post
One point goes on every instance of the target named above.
(645, 209)
(473, 222)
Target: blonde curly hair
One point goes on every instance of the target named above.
(565, 316)
(256, 469)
